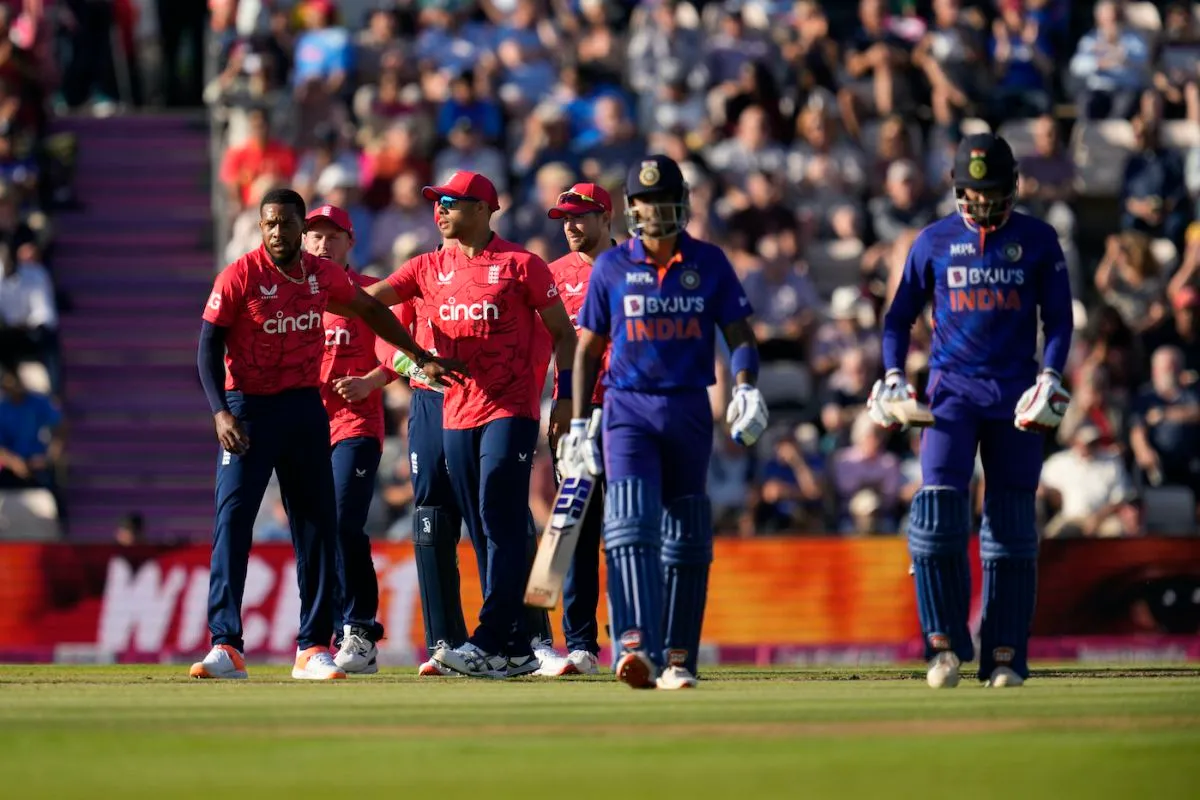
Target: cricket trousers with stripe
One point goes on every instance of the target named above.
(355, 464)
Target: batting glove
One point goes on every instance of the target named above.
(403, 365)
(579, 451)
(1043, 405)
(892, 389)
(747, 415)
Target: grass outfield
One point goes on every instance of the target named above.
(147, 731)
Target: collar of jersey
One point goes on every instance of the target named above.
(637, 252)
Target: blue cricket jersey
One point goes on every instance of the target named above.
(662, 324)
(986, 292)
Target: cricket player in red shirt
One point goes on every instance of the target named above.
(260, 365)
(487, 298)
(356, 436)
(586, 213)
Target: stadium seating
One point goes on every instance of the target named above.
(1170, 510)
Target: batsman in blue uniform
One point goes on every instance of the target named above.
(659, 299)
(988, 272)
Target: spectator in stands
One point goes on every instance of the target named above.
(893, 144)
(952, 57)
(1153, 193)
(387, 157)
(1165, 431)
(467, 151)
(260, 155)
(786, 304)
(1177, 72)
(463, 103)
(28, 312)
(730, 473)
(826, 170)
(1128, 280)
(1089, 489)
(876, 81)
(31, 440)
(761, 212)
(614, 145)
(131, 530)
(791, 492)
(329, 149)
(846, 395)
(1093, 405)
(844, 331)
(322, 67)
(866, 475)
(408, 213)
(1110, 66)
(1180, 330)
(751, 149)
(1023, 63)
(529, 221)
(904, 206)
(377, 43)
(1047, 187)
(338, 186)
(811, 54)
(1110, 343)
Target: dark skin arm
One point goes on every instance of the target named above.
(588, 353)
(737, 334)
(388, 328)
(556, 320)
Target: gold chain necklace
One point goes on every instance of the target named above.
(303, 273)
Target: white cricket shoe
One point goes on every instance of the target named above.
(432, 669)
(676, 678)
(222, 662)
(579, 662)
(1005, 678)
(943, 670)
(469, 660)
(358, 655)
(315, 664)
(522, 665)
(636, 670)
(549, 661)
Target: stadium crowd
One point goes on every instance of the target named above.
(817, 140)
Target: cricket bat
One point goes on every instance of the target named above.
(912, 413)
(557, 547)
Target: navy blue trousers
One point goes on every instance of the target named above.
(289, 434)
(490, 468)
(355, 463)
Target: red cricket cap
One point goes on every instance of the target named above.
(334, 214)
(469, 185)
(582, 198)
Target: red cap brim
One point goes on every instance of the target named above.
(574, 209)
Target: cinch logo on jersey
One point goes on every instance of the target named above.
(682, 324)
(336, 336)
(282, 324)
(457, 312)
(980, 289)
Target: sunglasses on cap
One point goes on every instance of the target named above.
(450, 203)
(567, 197)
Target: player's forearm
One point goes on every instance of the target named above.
(379, 377)
(897, 325)
(210, 362)
(583, 380)
(743, 348)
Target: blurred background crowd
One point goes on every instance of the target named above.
(817, 139)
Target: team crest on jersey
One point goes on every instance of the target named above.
(494, 273)
(649, 174)
(977, 168)
(1012, 252)
(313, 286)
(689, 279)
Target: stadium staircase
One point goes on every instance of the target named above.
(135, 263)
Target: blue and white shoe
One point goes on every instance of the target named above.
(357, 655)
(469, 660)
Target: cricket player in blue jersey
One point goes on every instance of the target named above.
(988, 272)
(659, 299)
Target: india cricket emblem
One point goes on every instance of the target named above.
(689, 279)
(1012, 252)
(649, 174)
(977, 168)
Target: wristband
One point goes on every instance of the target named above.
(564, 389)
(745, 358)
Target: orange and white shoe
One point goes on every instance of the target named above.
(223, 662)
(676, 678)
(432, 669)
(636, 670)
(315, 664)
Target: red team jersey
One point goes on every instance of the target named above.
(276, 338)
(350, 350)
(485, 312)
(411, 315)
(571, 274)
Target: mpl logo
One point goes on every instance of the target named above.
(640, 278)
(336, 336)
(962, 249)
(303, 322)
(474, 312)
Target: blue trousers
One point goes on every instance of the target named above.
(663, 439)
(289, 434)
(489, 469)
(355, 463)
